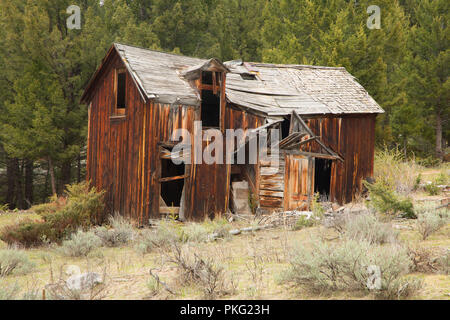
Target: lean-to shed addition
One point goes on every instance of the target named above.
(138, 98)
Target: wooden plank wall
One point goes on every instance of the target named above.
(235, 119)
(353, 137)
(122, 152)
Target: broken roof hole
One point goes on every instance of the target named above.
(248, 76)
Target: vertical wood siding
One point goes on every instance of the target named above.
(353, 137)
(123, 153)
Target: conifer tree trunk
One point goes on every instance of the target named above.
(19, 185)
(11, 166)
(29, 168)
(65, 175)
(439, 154)
(51, 169)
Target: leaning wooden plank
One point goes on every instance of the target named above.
(162, 203)
(305, 126)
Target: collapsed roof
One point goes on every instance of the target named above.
(270, 89)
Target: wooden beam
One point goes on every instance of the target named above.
(169, 210)
(307, 140)
(311, 154)
(173, 178)
(331, 152)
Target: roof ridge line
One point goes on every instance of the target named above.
(293, 66)
(159, 51)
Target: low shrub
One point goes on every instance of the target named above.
(348, 265)
(195, 232)
(12, 292)
(443, 262)
(430, 219)
(429, 259)
(432, 189)
(54, 205)
(367, 227)
(400, 288)
(394, 170)
(9, 291)
(387, 201)
(316, 207)
(303, 222)
(193, 268)
(81, 244)
(27, 233)
(219, 227)
(59, 220)
(442, 179)
(121, 232)
(14, 261)
(162, 236)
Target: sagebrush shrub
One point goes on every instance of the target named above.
(430, 219)
(9, 291)
(121, 232)
(368, 228)
(345, 266)
(81, 244)
(14, 261)
(162, 236)
(195, 232)
(444, 262)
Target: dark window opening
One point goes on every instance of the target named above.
(248, 76)
(210, 113)
(285, 125)
(121, 86)
(207, 77)
(322, 178)
(171, 191)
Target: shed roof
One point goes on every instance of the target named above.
(272, 89)
(280, 89)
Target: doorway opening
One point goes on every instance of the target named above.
(210, 109)
(322, 177)
(172, 183)
(285, 126)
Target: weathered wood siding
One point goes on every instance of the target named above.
(123, 154)
(353, 137)
(123, 157)
(239, 119)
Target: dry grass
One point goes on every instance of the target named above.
(254, 260)
(252, 263)
(395, 171)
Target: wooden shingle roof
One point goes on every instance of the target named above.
(280, 89)
(271, 89)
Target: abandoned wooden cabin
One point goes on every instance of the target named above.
(137, 99)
